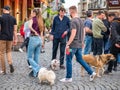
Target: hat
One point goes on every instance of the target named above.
(6, 8)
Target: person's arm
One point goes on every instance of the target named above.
(15, 35)
(102, 26)
(52, 30)
(72, 36)
(87, 26)
(87, 30)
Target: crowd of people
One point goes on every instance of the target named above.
(99, 34)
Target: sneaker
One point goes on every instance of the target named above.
(107, 72)
(30, 67)
(115, 69)
(62, 67)
(92, 76)
(66, 80)
(11, 68)
(31, 74)
(2, 72)
(20, 49)
(42, 51)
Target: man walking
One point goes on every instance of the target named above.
(75, 46)
(8, 36)
(60, 29)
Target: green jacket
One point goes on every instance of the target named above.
(97, 27)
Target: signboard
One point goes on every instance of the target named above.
(113, 3)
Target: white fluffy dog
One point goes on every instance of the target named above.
(46, 75)
(55, 64)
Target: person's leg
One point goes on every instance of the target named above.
(95, 46)
(2, 55)
(68, 67)
(9, 55)
(69, 63)
(99, 46)
(78, 55)
(107, 47)
(88, 43)
(62, 50)
(55, 48)
(31, 48)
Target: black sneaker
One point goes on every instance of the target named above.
(11, 68)
(31, 74)
(107, 72)
(62, 67)
(115, 69)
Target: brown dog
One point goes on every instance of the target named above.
(97, 61)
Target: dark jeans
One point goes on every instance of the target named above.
(98, 46)
(25, 43)
(56, 42)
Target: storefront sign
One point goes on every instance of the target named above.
(113, 3)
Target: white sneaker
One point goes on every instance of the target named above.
(30, 67)
(92, 76)
(66, 80)
(20, 49)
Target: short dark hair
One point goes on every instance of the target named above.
(100, 12)
(6, 8)
(89, 13)
(61, 9)
(73, 7)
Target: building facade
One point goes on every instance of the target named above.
(21, 8)
(95, 5)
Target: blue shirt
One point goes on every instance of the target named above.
(60, 26)
(88, 23)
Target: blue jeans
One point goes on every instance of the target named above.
(107, 47)
(118, 58)
(78, 54)
(34, 47)
(88, 43)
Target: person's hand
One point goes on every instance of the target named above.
(83, 45)
(14, 42)
(36, 33)
(51, 37)
(117, 45)
(64, 34)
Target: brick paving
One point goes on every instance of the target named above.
(20, 80)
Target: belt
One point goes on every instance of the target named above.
(88, 34)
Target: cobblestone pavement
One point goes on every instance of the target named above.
(20, 80)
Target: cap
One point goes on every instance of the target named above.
(6, 8)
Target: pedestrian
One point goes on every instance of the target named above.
(26, 31)
(8, 37)
(115, 44)
(36, 26)
(106, 35)
(60, 29)
(74, 46)
(98, 27)
(88, 32)
(26, 36)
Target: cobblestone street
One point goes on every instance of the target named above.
(20, 80)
